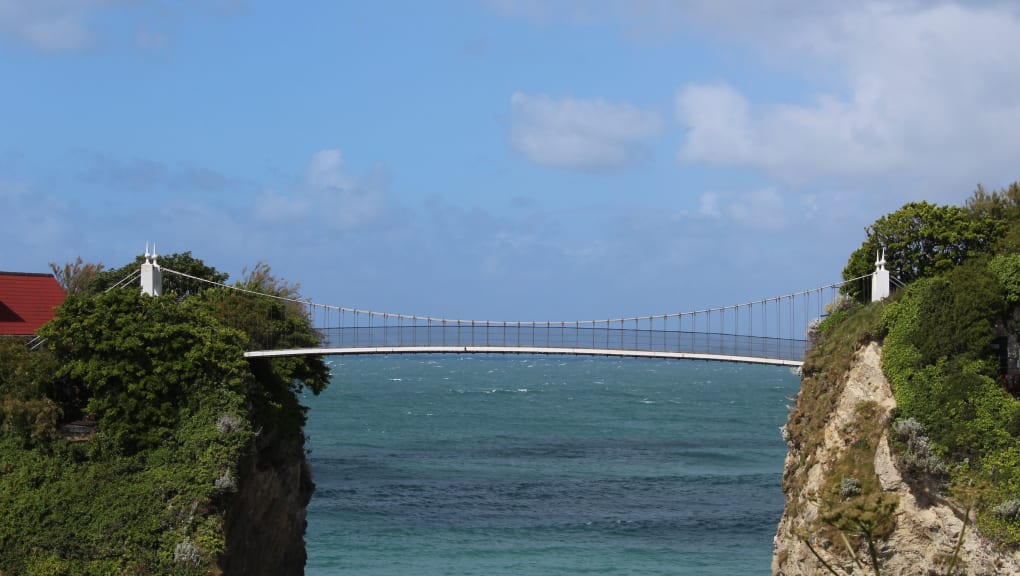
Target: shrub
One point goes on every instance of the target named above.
(958, 313)
(919, 454)
(907, 428)
(187, 553)
(229, 423)
(1006, 268)
(226, 482)
(840, 303)
(1008, 510)
(849, 487)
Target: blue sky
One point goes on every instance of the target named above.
(497, 160)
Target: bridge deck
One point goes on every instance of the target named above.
(522, 350)
(549, 339)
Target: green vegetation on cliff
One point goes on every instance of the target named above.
(950, 351)
(165, 410)
(957, 423)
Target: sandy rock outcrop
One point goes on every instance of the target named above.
(927, 527)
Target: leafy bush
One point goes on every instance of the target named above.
(1006, 268)
(840, 303)
(849, 487)
(907, 428)
(918, 454)
(814, 332)
(228, 424)
(125, 511)
(142, 358)
(26, 411)
(957, 314)
(227, 482)
(1008, 510)
(955, 422)
(185, 552)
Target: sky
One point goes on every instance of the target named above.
(503, 159)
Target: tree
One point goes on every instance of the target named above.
(957, 314)
(1002, 205)
(144, 359)
(921, 240)
(76, 277)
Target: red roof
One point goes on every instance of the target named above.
(27, 302)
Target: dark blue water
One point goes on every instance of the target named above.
(495, 465)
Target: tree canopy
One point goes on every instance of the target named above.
(143, 359)
(922, 239)
(138, 360)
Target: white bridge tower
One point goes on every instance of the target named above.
(880, 279)
(152, 276)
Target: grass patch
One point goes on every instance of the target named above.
(826, 366)
(851, 499)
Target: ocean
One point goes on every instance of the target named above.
(543, 465)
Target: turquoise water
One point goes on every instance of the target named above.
(500, 465)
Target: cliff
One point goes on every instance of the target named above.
(265, 523)
(925, 527)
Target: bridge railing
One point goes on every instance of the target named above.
(769, 328)
(559, 335)
(773, 328)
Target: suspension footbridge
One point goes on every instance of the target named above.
(767, 331)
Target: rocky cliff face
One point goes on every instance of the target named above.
(265, 526)
(927, 526)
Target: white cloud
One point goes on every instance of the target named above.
(882, 93)
(709, 205)
(326, 170)
(329, 195)
(931, 90)
(579, 134)
(759, 209)
(49, 25)
(718, 118)
(61, 26)
(271, 206)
